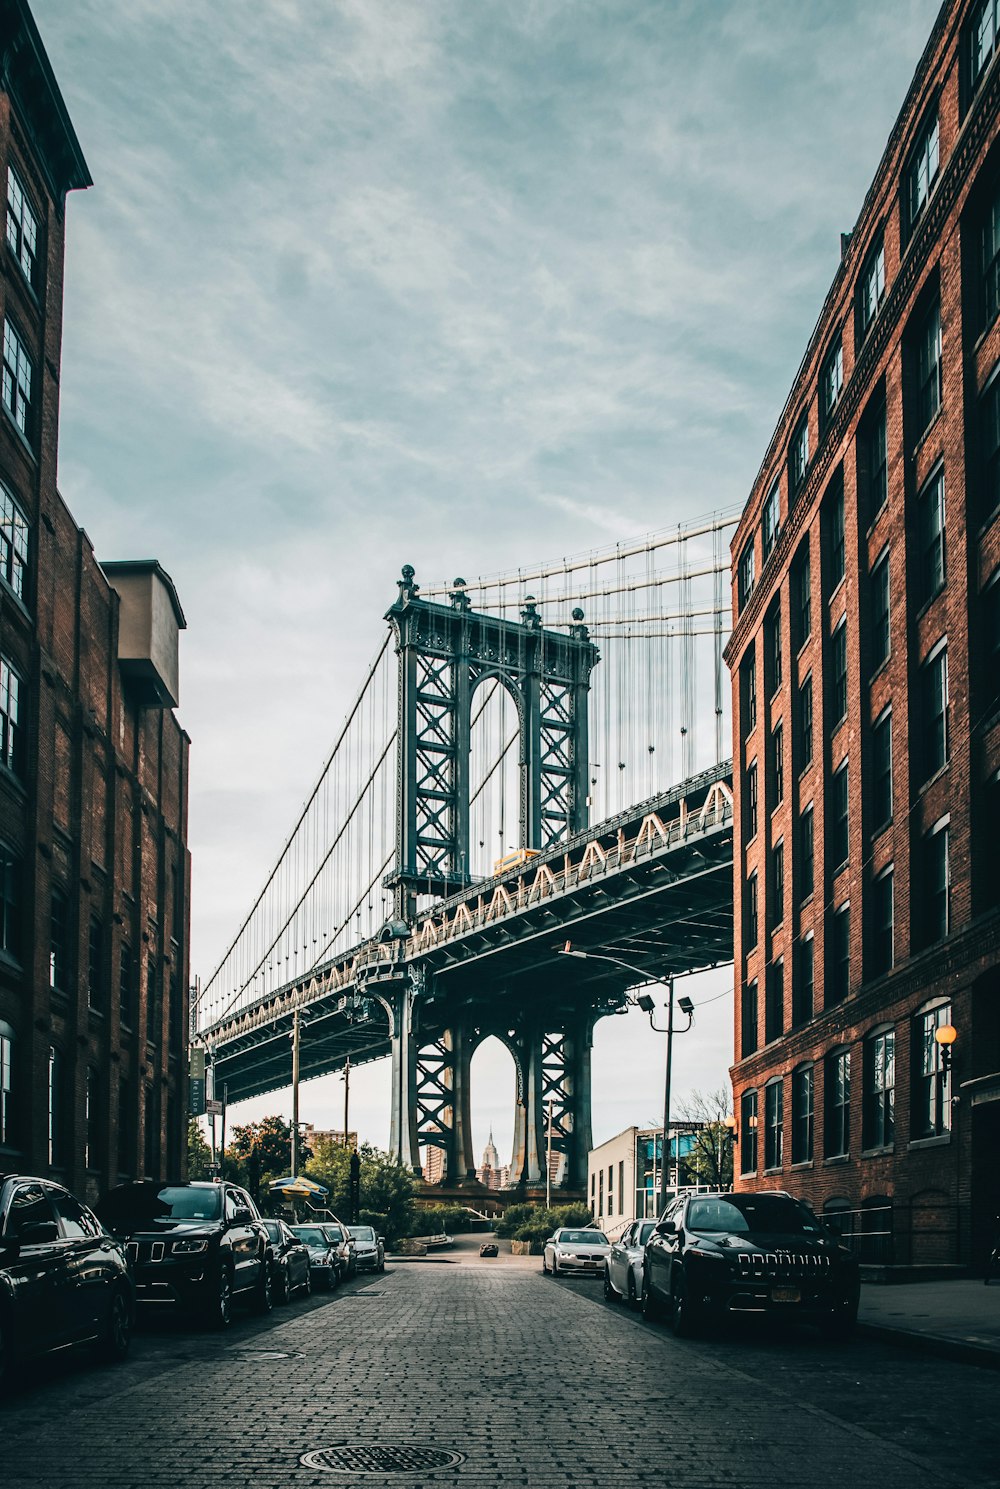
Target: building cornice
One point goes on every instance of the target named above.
(26, 74)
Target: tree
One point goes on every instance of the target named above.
(199, 1153)
(711, 1158)
(385, 1186)
(262, 1151)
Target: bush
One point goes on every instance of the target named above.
(439, 1220)
(514, 1217)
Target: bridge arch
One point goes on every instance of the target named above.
(496, 789)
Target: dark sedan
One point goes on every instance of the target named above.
(63, 1279)
(192, 1246)
(324, 1262)
(714, 1256)
(291, 1262)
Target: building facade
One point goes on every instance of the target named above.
(623, 1174)
(94, 766)
(865, 659)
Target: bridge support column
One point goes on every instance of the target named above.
(403, 1133)
(581, 1138)
(460, 1155)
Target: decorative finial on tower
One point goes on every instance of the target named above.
(458, 596)
(408, 588)
(530, 615)
(578, 630)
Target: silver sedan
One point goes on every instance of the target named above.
(576, 1251)
(623, 1272)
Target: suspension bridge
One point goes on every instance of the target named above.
(532, 757)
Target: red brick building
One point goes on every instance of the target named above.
(865, 658)
(93, 765)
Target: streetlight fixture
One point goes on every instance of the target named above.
(645, 1002)
(945, 1037)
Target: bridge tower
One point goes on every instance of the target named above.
(445, 653)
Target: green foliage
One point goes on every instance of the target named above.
(437, 1220)
(385, 1187)
(535, 1223)
(513, 1217)
(199, 1153)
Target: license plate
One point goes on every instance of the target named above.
(786, 1295)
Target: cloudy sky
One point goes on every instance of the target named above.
(460, 283)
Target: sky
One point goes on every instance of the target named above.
(467, 284)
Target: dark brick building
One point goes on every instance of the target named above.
(93, 765)
(865, 658)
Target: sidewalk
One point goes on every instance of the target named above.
(958, 1319)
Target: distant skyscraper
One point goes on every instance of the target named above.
(489, 1172)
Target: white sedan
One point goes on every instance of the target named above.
(577, 1251)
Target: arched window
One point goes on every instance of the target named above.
(930, 1081)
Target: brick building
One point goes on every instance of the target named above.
(865, 659)
(93, 765)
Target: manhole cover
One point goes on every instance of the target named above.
(388, 1457)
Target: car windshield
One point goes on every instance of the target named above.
(312, 1235)
(273, 1229)
(582, 1238)
(143, 1203)
(333, 1233)
(361, 1232)
(738, 1215)
(645, 1231)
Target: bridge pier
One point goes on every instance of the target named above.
(556, 1078)
(403, 1129)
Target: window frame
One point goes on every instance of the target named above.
(837, 1113)
(31, 277)
(883, 925)
(770, 522)
(831, 380)
(745, 578)
(11, 727)
(880, 582)
(872, 274)
(798, 457)
(807, 851)
(930, 1081)
(774, 1124)
(838, 692)
(803, 1114)
(935, 925)
(18, 401)
(934, 725)
(878, 1115)
(749, 1124)
(15, 545)
(928, 357)
(803, 1008)
(882, 797)
(838, 827)
(932, 517)
(922, 169)
(838, 955)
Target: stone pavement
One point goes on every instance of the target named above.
(959, 1319)
(532, 1382)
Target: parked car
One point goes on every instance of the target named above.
(719, 1255)
(291, 1262)
(623, 1272)
(369, 1248)
(569, 1250)
(343, 1243)
(324, 1262)
(193, 1246)
(489, 1248)
(63, 1279)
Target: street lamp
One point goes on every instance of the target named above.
(945, 1037)
(645, 1002)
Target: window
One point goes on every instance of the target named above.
(831, 381)
(774, 1002)
(802, 596)
(880, 611)
(931, 1081)
(621, 1186)
(748, 1019)
(804, 986)
(17, 375)
(95, 963)
(928, 367)
(600, 1192)
(983, 29)
(10, 904)
(930, 535)
(92, 1118)
(777, 883)
(154, 1005)
(882, 948)
(838, 825)
(175, 1015)
(879, 1093)
(772, 649)
(6, 1085)
(774, 1115)
(798, 457)
(748, 1132)
(934, 712)
(936, 879)
(990, 608)
(748, 692)
(75, 1222)
(833, 524)
(805, 722)
(10, 717)
(745, 581)
(125, 984)
(873, 466)
(750, 802)
(838, 955)
(13, 544)
(59, 942)
(989, 419)
(22, 228)
(838, 1104)
(751, 913)
(770, 525)
(882, 771)
(802, 1115)
(807, 852)
(838, 674)
(777, 764)
(56, 1107)
(922, 170)
(871, 288)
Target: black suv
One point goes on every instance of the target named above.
(193, 1246)
(712, 1255)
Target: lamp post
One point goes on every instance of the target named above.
(945, 1037)
(645, 1002)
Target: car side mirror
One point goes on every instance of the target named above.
(39, 1232)
(381, 1239)
(667, 1228)
(241, 1216)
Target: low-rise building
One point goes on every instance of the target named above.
(624, 1173)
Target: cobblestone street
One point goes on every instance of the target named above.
(532, 1381)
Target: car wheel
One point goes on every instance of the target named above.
(282, 1288)
(684, 1321)
(263, 1293)
(545, 1265)
(307, 1286)
(609, 1288)
(632, 1298)
(555, 1267)
(651, 1310)
(223, 1315)
(117, 1334)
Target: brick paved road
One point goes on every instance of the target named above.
(536, 1381)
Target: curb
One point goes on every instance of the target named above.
(986, 1356)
